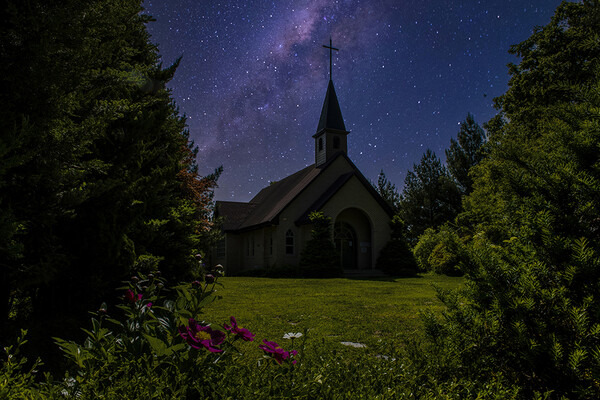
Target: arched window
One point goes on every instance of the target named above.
(320, 143)
(289, 242)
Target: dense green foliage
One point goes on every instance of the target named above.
(97, 177)
(430, 197)
(387, 190)
(531, 309)
(319, 257)
(441, 251)
(396, 258)
(465, 152)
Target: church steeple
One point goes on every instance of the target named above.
(330, 138)
(331, 115)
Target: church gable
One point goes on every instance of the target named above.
(365, 188)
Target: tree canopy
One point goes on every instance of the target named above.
(530, 310)
(430, 197)
(465, 152)
(97, 174)
(387, 190)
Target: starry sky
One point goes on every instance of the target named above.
(253, 77)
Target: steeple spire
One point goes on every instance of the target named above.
(331, 114)
(330, 138)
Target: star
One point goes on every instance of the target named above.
(253, 77)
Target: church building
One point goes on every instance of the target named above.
(273, 228)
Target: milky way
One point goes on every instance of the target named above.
(254, 74)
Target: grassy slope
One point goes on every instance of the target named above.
(334, 310)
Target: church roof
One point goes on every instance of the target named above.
(331, 114)
(235, 213)
(272, 200)
(266, 206)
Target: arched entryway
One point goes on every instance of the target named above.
(345, 244)
(352, 238)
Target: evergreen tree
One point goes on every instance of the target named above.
(429, 198)
(530, 311)
(387, 190)
(465, 152)
(97, 178)
(396, 258)
(319, 257)
(555, 62)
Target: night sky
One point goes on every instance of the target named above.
(254, 75)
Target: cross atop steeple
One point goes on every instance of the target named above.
(331, 48)
(331, 136)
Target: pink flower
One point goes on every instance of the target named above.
(243, 333)
(197, 335)
(277, 352)
(131, 297)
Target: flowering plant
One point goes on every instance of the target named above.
(160, 328)
(273, 350)
(198, 336)
(238, 331)
(131, 297)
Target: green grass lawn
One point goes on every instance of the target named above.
(334, 310)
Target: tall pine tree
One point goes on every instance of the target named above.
(97, 176)
(387, 190)
(465, 152)
(430, 197)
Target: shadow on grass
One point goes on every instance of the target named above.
(355, 275)
(382, 278)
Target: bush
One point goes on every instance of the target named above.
(318, 259)
(424, 247)
(441, 252)
(396, 258)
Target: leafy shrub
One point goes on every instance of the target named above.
(441, 252)
(156, 345)
(396, 258)
(448, 255)
(20, 381)
(318, 259)
(424, 248)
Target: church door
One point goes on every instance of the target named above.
(344, 237)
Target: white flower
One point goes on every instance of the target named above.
(292, 335)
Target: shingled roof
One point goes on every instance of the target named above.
(272, 200)
(234, 213)
(265, 207)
